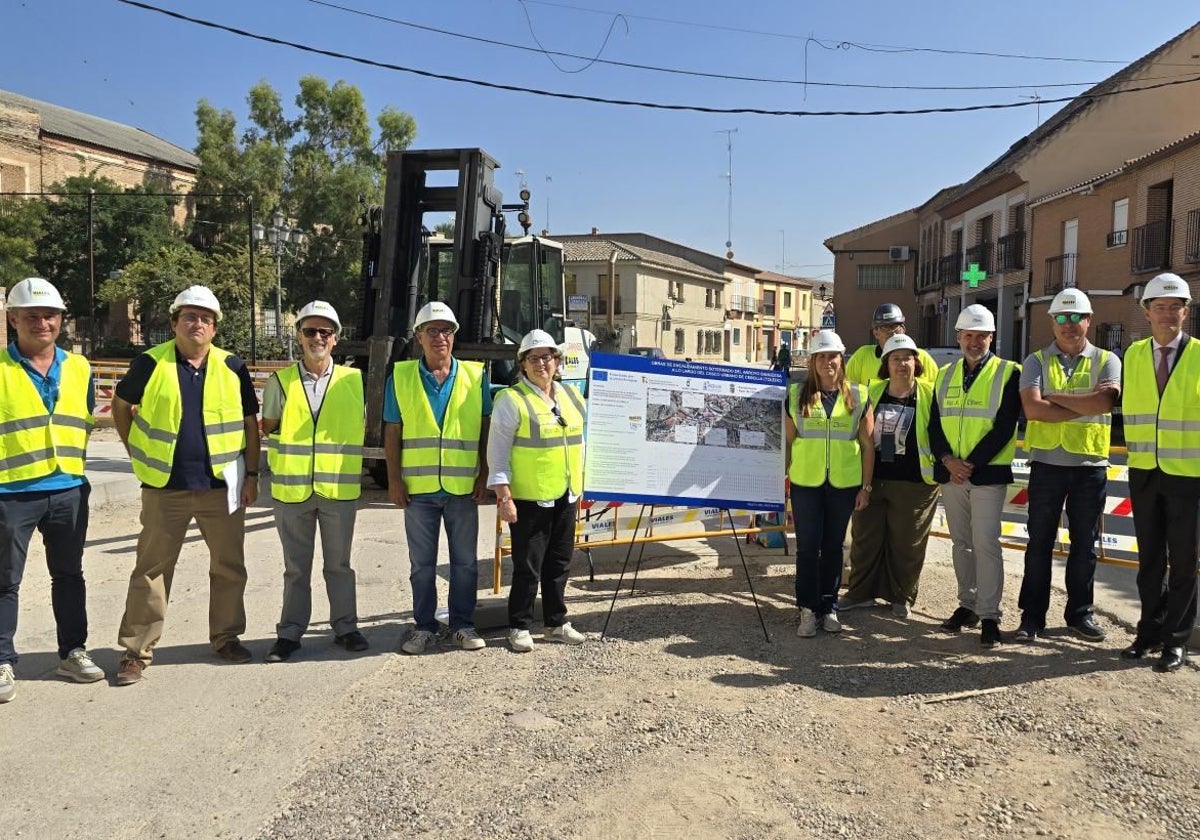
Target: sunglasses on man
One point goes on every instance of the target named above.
(1072, 318)
(313, 332)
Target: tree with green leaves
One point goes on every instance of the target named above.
(21, 222)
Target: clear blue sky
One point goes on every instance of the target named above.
(623, 168)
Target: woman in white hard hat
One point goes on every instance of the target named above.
(535, 450)
(887, 551)
(830, 461)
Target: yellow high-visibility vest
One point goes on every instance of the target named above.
(924, 408)
(321, 455)
(445, 457)
(1162, 432)
(826, 446)
(547, 455)
(33, 441)
(968, 416)
(1088, 435)
(155, 430)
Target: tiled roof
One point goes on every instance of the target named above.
(1132, 163)
(599, 249)
(97, 131)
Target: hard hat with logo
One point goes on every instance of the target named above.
(319, 309)
(1167, 285)
(35, 292)
(899, 341)
(535, 339)
(826, 341)
(200, 296)
(1070, 300)
(887, 315)
(976, 317)
(435, 310)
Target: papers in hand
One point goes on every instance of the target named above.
(234, 474)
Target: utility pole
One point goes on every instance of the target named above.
(729, 132)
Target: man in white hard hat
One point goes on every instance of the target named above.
(313, 412)
(863, 365)
(973, 435)
(194, 434)
(436, 412)
(1068, 390)
(45, 419)
(1162, 434)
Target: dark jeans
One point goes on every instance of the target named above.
(820, 515)
(543, 540)
(62, 518)
(1082, 489)
(1164, 519)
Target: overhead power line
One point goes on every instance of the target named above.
(632, 103)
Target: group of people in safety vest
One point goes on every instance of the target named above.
(188, 415)
(875, 439)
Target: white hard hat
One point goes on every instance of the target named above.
(435, 310)
(35, 292)
(200, 296)
(976, 317)
(535, 339)
(899, 341)
(319, 309)
(1070, 300)
(826, 341)
(1167, 285)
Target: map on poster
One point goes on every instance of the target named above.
(684, 433)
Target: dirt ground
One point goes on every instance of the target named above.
(683, 722)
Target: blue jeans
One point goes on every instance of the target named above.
(1082, 489)
(820, 515)
(422, 518)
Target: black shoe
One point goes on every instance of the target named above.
(1172, 659)
(353, 641)
(1140, 648)
(962, 617)
(282, 650)
(1028, 632)
(990, 636)
(234, 651)
(1087, 628)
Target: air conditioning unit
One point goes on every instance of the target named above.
(898, 253)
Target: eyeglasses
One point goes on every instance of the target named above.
(313, 332)
(891, 328)
(194, 318)
(1071, 318)
(541, 358)
(434, 332)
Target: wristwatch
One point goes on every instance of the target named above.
(867, 487)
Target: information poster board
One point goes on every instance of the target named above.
(684, 433)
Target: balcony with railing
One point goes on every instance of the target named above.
(981, 255)
(743, 303)
(1151, 246)
(927, 276)
(1191, 251)
(1010, 251)
(1060, 273)
(950, 269)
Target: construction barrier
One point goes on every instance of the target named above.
(108, 373)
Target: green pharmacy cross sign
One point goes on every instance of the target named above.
(974, 276)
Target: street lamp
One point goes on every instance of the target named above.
(822, 293)
(278, 237)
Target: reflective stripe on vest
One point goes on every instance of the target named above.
(1163, 433)
(436, 458)
(155, 430)
(966, 419)
(924, 407)
(33, 441)
(827, 447)
(322, 455)
(1088, 435)
(547, 456)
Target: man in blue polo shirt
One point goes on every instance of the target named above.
(436, 411)
(45, 419)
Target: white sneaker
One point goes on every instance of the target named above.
(467, 639)
(8, 686)
(78, 666)
(566, 634)
(807, 628)
(830, 623)
(900, 609)
(521, 641)
(418, 641)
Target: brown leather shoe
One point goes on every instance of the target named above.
(234, 651)
(131, 671)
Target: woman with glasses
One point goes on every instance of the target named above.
(535, 451)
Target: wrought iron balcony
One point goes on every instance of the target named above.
(1010, 251)
(1151, 246)
(1060, 273)
(981, 255)
(743, 303)
(1191, 252)
(927, 276)
(950, 269)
